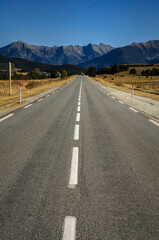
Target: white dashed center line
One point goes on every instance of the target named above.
(157, 124)
(121, 102)
(40, 99)
(47, 95)
(73, 181)
(113, 97)
(78, 117)
(79, 104)
(78, 109)
(8, 116)
(28, 106)
(69, 228)
(133, 109)
(76, 132)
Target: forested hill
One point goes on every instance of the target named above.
(27, 65)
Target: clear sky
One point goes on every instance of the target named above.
(78, 22)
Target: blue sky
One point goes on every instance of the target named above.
(78, 22)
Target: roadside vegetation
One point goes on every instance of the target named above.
(144, 78)
(29, 87)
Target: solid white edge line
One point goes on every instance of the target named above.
(69, 228)
(121, 102)
(73, 180)
(78, 109)
(157, 124)
(40, 99)
(8, 116)
(78, 117)
(28, 106)
(76, 132)
(133, 109)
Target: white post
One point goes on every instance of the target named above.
(20, 94)
(10, 86)
(132, 94)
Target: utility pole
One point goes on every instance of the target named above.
(10, 72)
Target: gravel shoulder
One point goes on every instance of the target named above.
(145, 105)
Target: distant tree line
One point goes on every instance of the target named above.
(148, 72)
(92, 71)
(37, 74)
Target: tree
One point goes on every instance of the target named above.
(91, 71)
(132, 71)
(37, 71)
(115, 69)
(64, 73)
(54, 73)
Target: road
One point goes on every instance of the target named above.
(79, 164)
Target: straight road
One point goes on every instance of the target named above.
(79, 164)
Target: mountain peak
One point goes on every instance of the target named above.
(19, 41)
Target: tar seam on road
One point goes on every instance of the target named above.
(69, 228)
(8, 116)
(157, 124)
(28, 106)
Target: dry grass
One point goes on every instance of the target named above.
(29, 88)
(143, 86)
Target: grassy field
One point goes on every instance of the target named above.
(28, 88)
(143, 86)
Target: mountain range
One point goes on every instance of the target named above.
(147, 53)
(85, 56)
(55, 55)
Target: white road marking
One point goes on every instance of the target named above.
(157, 124)
(133, 109)
(78, 117)
(78, 109)
(121, 102)
(28, 106)
(108, 94)
(48, 95)
(73, 181)
(79, 103)
(8, 116)
(113, 97)
(40, 99)
(69, 228)
(76, 132)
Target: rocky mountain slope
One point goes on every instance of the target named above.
(55, 55)
(132, 54)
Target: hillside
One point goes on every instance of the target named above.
(132, 54)
(28, 66)
(55, 55)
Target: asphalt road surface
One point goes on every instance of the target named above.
(79, 164)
